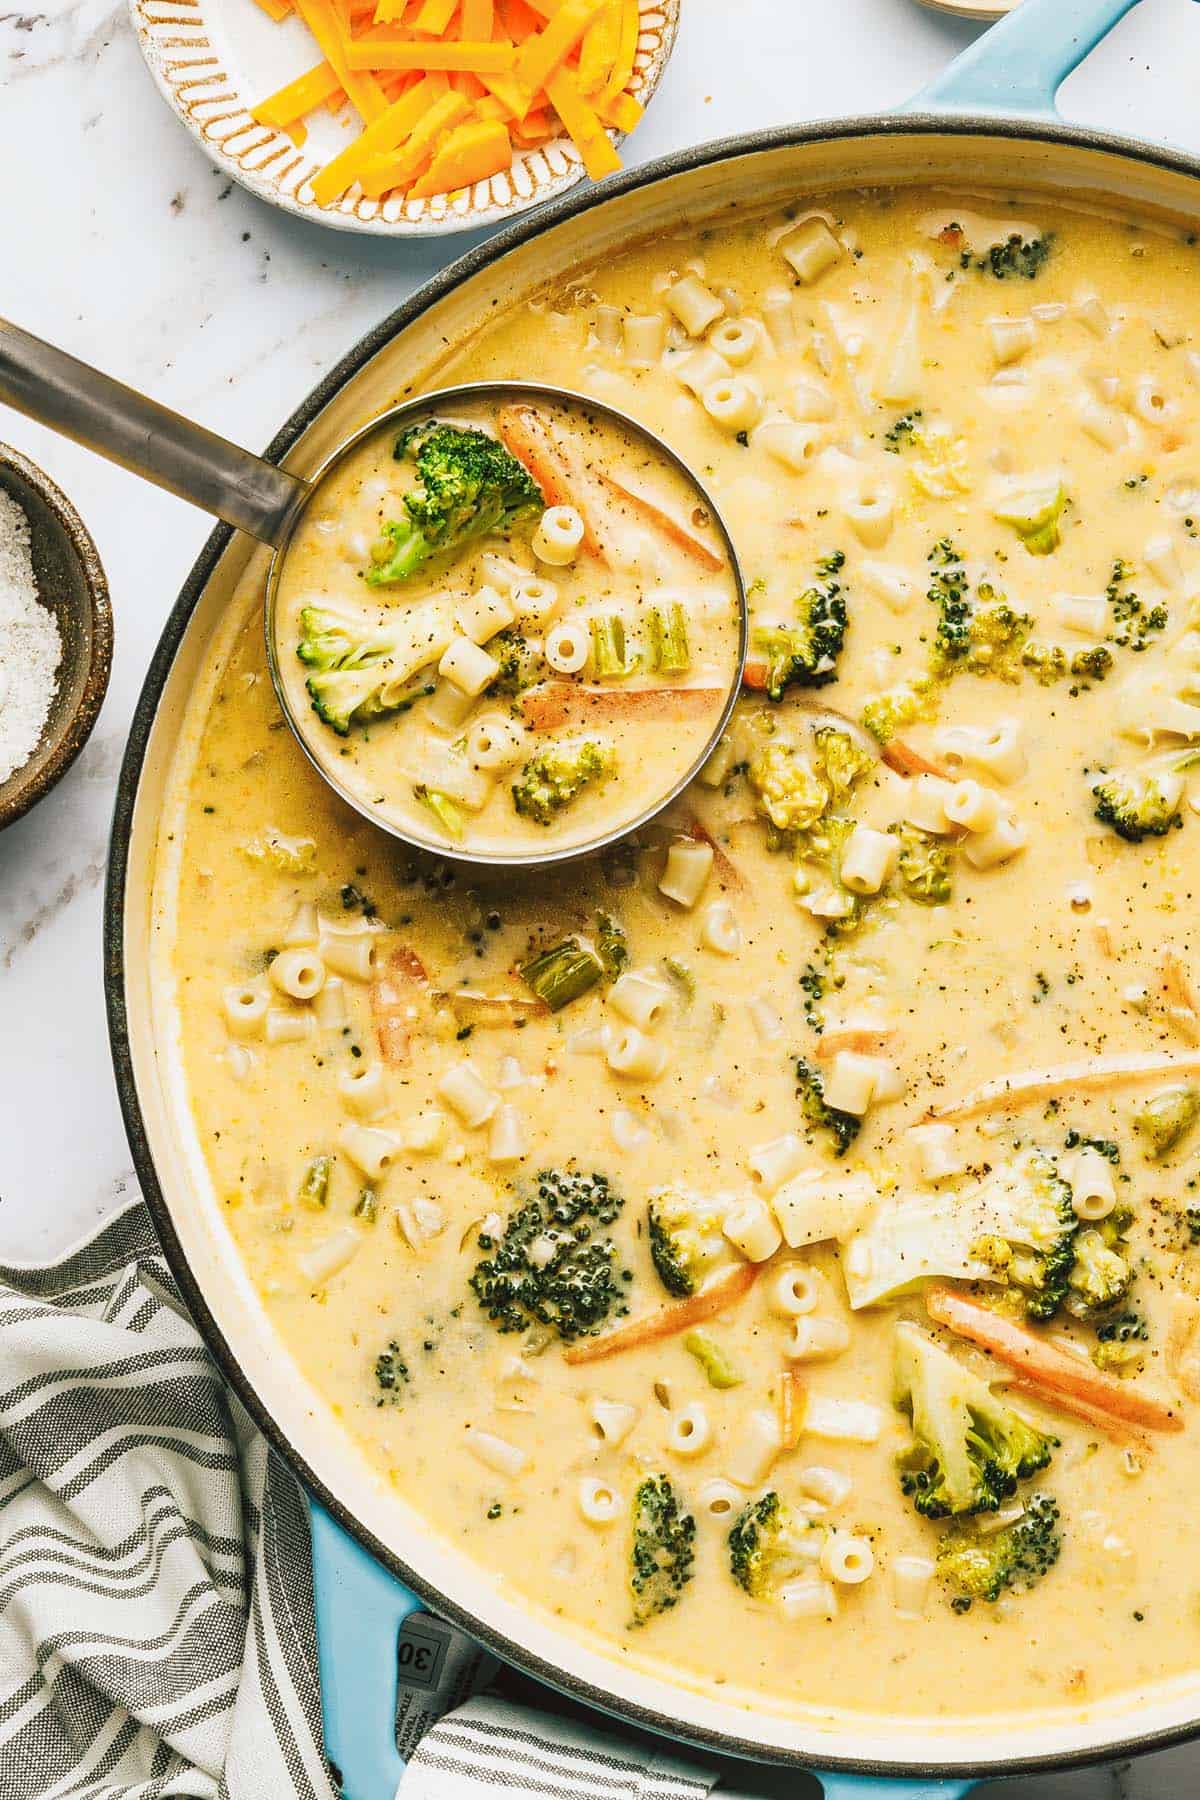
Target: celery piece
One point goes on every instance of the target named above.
(667, 633)
(712, 1359)
(448, 815)
(608, 648)
(314, 1188)
(562, 973)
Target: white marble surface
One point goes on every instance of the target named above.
(121, 242)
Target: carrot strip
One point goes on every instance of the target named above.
(789, 1405)
(533, 442)
(287, 104)
(727, 869)
(370, 51)
(277, 10)
(583, 124)
(471, 153)
(674, 529)
(478, 20)
(546, 51)
(725, 1289)
(384, 135)
(906, 761)
(363, 90)
(554, 703)
(1045, 1369)
(1006, 1093)
(394, 1002)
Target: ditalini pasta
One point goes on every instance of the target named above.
(820, 1166)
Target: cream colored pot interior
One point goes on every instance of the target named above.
(411, 360)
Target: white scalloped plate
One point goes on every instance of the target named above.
(214, 59)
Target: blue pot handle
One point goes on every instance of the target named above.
(1019, 65)
(360, 1609)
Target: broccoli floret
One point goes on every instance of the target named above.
(980, 633)
(1017, 258)
(548, 1269)
(1165, 1119)
(391, 1375)
(1017, 1227)
(796, 784)
(1119, 1344)
(887, 713)
(685, 1238)
(902, 432)
(969, 1449)
(1031, 1234)
(790, 789)
(812, 985)
(1132, 622)
(663, 1550)
(1035, 518)
(1139, 805)
(563, 973)
(978, 1565)
(468, 485)
(612, 945)
(805, 654)
(554, 777)
(1101, 1273)
(925, 866)
(520, 666)
(841, 1127)
(363, 666)
(768, 1543)
(843, 761)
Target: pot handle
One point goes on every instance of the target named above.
(360, 1609)
(117, 422)
(1019, 65)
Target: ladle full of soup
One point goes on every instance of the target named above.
(504, 620)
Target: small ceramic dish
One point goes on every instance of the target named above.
(71, 582)
(214, 59)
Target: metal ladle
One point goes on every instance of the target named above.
(78, 402)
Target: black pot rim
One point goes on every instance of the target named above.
(491, 250)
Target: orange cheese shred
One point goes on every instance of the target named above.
(471, 152)
(287, 104)
(447, 89)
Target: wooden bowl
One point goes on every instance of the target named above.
(71, 582)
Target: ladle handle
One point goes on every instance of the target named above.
(116, 421)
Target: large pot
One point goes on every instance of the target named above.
(990, 116)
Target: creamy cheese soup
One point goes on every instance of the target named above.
(771, 1247)
(511, 629)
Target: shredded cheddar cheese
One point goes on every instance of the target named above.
(447, 90)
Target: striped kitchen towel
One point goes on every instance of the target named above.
(157, 1633)
(156, 1612)
(490, 1746)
